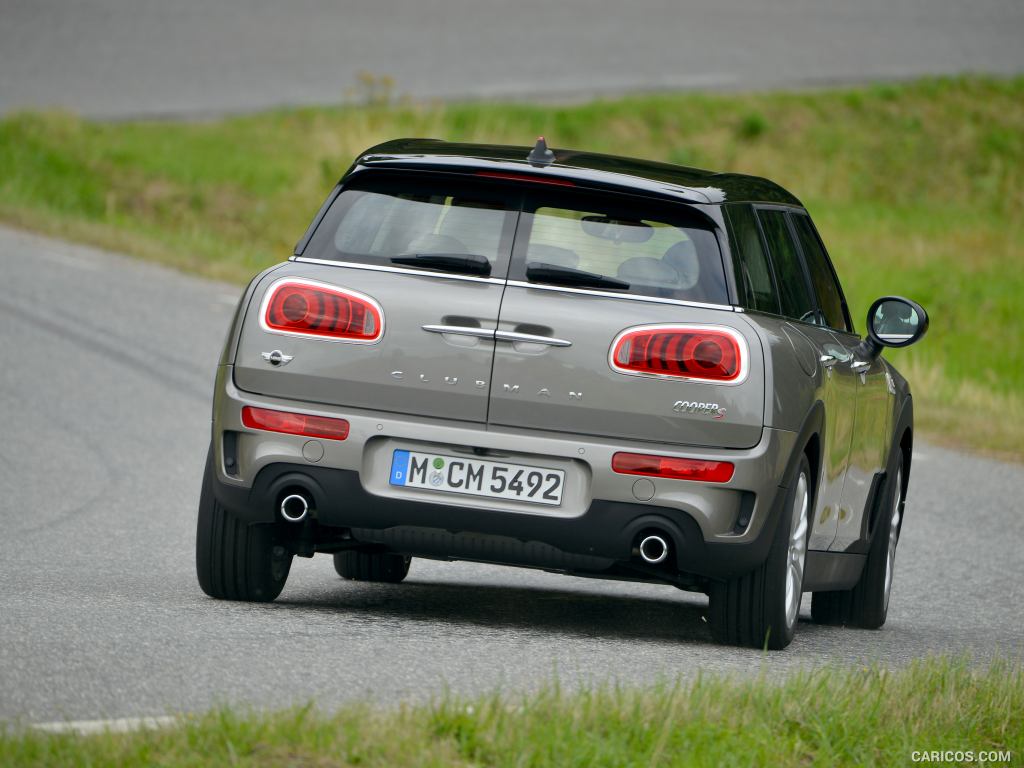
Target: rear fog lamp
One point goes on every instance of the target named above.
(672, 468)
(294, 423)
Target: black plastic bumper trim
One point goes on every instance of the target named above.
(607, 530)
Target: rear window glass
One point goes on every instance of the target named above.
(655, 248)
(377, 220)
(658, 250)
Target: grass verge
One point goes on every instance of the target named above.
(828, 717)
(918, 189)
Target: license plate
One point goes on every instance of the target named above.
(477, 477)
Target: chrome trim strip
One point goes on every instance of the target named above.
(490, 333)
(515, 283)
(611, 295)
(531, 338)
(894, 336)
(398, 270)
(461, 330)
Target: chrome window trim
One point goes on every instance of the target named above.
(514, 283)
(612, 295)
(398, 270)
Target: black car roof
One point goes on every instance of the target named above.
(663, 179)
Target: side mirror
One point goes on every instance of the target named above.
(894, 322)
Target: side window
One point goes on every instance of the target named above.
(794, 292)
(830, 295)
(754, 278)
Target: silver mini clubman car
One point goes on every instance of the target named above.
(582, 363)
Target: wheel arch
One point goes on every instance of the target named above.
(903, 438)
(902, 441)
(809, 443)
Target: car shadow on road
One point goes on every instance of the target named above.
(676, 617)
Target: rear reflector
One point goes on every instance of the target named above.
(308, 308)
(707, 353)
(675, 469)
(525, 177)
(294, 423)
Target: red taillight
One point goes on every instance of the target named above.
(708, 353)
(313, 309)
(294, 423)
(525, 177)
(675, 469)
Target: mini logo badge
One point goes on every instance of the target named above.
(277, 358)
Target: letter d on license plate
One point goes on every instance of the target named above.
(477, 477)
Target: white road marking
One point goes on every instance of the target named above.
(117, 725)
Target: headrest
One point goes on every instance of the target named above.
(648, 271)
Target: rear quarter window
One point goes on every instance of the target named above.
(823, 277)
(754, 277)
(794, 291)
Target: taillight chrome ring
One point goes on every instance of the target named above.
(742, 351)
(316, 285)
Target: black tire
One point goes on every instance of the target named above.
(371, 566)
(236, 560)
(752, 610)
(867, 604)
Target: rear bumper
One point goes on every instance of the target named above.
(717, 530)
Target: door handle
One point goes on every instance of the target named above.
(461, 330)
(531, 338)
(860, 366)
(827, 361)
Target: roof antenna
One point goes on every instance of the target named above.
(540, 154)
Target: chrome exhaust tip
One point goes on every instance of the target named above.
(653, 549)
(294, 507)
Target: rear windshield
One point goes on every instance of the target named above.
(657, 249)
(378, 220)
(642, 247)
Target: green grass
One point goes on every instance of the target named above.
(828, 717)
(918, 189)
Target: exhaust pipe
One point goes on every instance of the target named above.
(653, 549)
(295, 507)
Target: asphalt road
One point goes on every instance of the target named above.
(195, 57)
(105, 385)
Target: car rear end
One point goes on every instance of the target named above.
(517, 366)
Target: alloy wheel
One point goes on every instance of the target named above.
(894, 533)
(797, 550)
